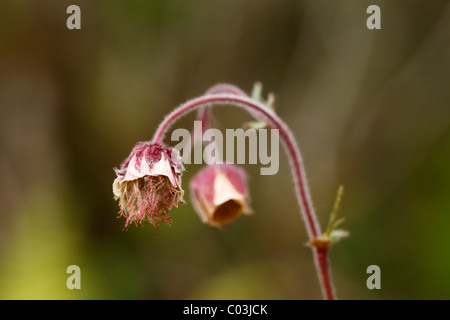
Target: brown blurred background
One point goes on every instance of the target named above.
(370, 109)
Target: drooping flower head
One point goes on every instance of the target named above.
(219, 194)
(148, 184)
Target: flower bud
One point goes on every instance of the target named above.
(219, 194)
(148, 184)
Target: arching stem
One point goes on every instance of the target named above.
(320, 248)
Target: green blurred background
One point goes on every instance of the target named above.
(370, 109)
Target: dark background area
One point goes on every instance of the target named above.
(370, 110)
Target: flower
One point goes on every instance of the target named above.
(219, 194)
(148, 184)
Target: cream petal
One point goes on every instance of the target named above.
(116, 188)
(132, 172)
(160, 168)
(208, 210)
(163, 168)
(177, 160)
(144, 169)
(225, 191)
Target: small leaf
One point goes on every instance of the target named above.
(338, 234)
(269, 103)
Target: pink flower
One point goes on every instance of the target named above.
(219, 194)
(148, 184)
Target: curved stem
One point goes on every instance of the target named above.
(204, 113)
(303, 195)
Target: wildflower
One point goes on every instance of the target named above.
(148, 184)
(219, 194)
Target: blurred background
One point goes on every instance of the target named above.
(370, 109)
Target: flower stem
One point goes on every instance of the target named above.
(302, 190)
(321, 260)
(204, 113)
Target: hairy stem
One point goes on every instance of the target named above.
(323, 270)
(263, 113)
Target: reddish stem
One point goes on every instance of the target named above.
(321, 260)
(301, 186)
(204, 113)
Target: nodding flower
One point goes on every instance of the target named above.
(219, 194)
(148, 184)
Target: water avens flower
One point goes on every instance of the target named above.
(219, 194)
(148, 184)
